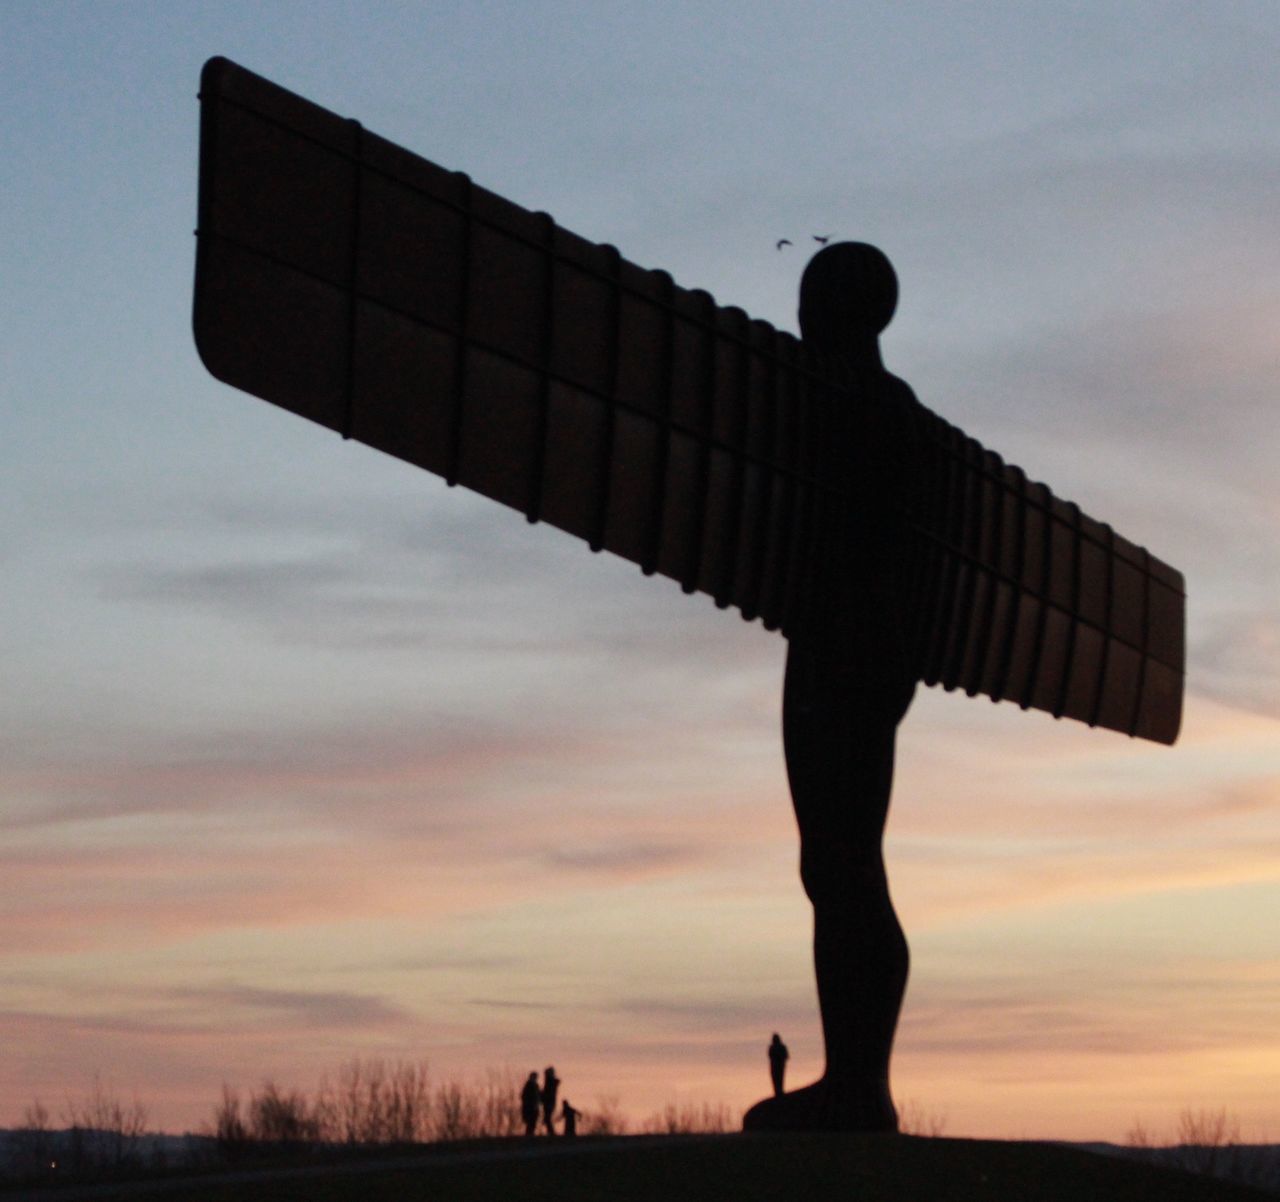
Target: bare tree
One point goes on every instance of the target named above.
(373, 1102)
(1205, 1138)
(457, 1112)
(689, 1118)
(1209, 1143)
(915, 1119)
(33, 1143)
(104, 1133)
(281, 1116)
(500, 1108)
(605, 1117)
(407, 1112)
(229, 1126)
(1138, 1137)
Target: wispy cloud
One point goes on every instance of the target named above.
(311, 1009)
(621, 858)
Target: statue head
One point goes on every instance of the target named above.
(847, 296)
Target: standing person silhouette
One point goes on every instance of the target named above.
(570, 1116)
(778, 1057)
(848, 685)
(550, 1087)
(530, 1103)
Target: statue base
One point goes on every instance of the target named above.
(823, 1106)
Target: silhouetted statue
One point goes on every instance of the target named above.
(778, 1056)
(570, 1116)
(550, 1086)
(397, 302)
(848, 684)
(530, 1104)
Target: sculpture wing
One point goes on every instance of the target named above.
(1025, 598)
(378, 294)
(370, 290)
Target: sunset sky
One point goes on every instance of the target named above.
(304, 756)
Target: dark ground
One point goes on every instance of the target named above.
(733, 1168)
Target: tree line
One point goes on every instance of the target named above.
(365, 1103)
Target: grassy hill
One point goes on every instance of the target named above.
(736, 1168)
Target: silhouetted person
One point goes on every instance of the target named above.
(570, 1116)
(848, 685)
(778, 1056)
(530, 1102)
(550, 1087)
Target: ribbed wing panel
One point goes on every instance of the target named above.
(1027, 599)
(378, 294)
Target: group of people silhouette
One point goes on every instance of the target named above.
(538, 1100)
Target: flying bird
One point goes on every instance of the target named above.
(783, 242)
(822, 238)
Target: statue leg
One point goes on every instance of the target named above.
(839, 732)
